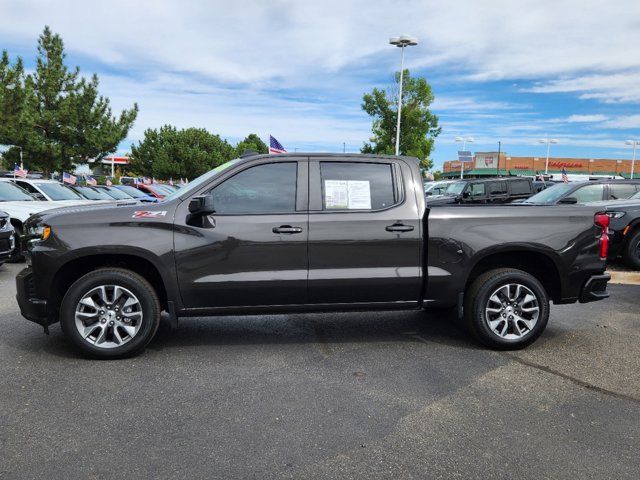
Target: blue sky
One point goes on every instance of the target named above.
(509, 71)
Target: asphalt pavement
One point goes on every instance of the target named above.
(353, 395)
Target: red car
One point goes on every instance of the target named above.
(155, 190)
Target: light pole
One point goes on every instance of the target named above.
(634, 143)
(548, 141)
(464, 141)
(401, 42)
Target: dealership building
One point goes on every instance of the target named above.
(488, 164)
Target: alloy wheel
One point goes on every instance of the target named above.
(512, 311)
(108, 316)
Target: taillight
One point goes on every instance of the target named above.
(602, 220)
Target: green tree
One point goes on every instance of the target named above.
(251, 142)
(63, 121)
(419, 126)
(172, 153)
(13, 118)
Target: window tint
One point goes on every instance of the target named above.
(269, 188)
(498, 188)
(618, 191)
(520, 187)
(357, 186)
(478, 189)
(588, 193)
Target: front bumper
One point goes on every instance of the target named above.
(31, 308)
(7, 244)
(595, 288)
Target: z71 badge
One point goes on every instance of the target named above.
(149, 214)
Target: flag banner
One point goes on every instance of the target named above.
(68, 178)
(565, 177)
(275, 146)
(19, 171)
(146, 181)
(89, 180)
(108, 183)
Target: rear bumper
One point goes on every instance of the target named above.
(595, 288)
(31, 308)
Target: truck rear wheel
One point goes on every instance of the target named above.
(631, 254)
(110, 313)
(506, 309)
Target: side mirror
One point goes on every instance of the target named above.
(466, 194)
(568, 200)
(201, 205)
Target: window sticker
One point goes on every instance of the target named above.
(347, 194)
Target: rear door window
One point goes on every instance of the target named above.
(589, 193)
(520, 187)
(357, 186)
(498, 188)
(619, 191)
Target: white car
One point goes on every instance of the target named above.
(50, 190)
(20, 205)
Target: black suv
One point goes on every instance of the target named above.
(586, 191)
(486, 190)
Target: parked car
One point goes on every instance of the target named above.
(300, 233)
(485, 190)
(624, 229)
(114, 192)
(585, 192)
(137, 194)
(50, 190)
(7, 238)
(436, 187)
(20, 204)
(155, 190)
(91, 193)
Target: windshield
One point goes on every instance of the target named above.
(551, 194)
(455, 188)
(115, 193)
(204, 178)
(58, 191)
(11, 193)
(93, 194)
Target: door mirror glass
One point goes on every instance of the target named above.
(568, 200)
(201, 205)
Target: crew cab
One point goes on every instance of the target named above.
(306, 233)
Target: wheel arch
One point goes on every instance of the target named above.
(78, 266)
(535, 262)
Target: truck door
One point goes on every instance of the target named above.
(364, 232)
(498, 192)
(253, 250)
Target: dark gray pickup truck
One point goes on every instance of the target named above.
(301, 233)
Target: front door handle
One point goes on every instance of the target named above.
(399, 227)
(288, 229)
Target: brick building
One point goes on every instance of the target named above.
(487, 163)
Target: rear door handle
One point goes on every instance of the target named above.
(399, 227)
(288, 229)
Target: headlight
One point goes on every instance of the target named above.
(38, 232)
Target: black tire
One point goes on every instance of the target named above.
(139, 286)
(477, 300)
(631, 253)
(17, 256)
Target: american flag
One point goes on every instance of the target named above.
(146, 181)
(18, 171)
(565, 178)
(171, 182)
(68, 178)
(89, 180)
(108, 183)
(275, 146)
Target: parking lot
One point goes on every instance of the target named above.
(356, 395)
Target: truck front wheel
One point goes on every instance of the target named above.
(110, 313)
(631, 252)
(506, 309)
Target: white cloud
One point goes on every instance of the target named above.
(585, 118)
